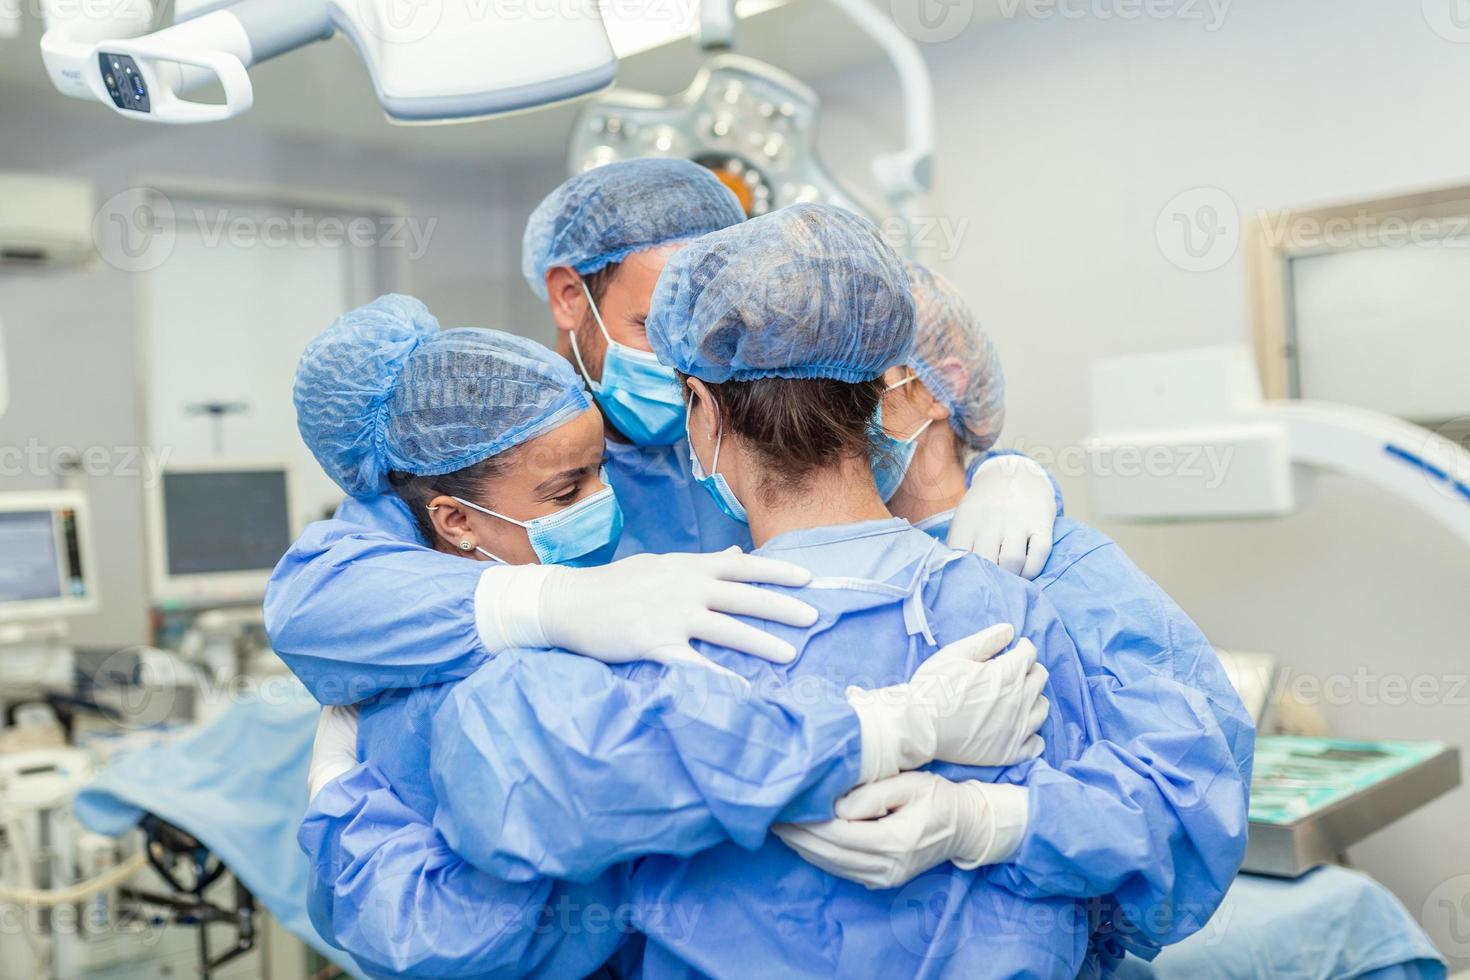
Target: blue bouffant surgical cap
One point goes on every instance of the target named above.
(385, 389)
(955, 359)
(604, 215)
(809, 291)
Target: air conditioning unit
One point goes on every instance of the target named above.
(45, 221)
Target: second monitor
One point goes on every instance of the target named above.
(216, 531)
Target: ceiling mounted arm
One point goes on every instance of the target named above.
(908, 173)
(717, 25)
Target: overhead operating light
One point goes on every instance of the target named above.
(751, 123)
(428, 62)
(755, 125)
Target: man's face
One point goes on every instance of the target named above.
(624, 307)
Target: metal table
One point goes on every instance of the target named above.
(1320, 835)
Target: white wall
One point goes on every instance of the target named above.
(1060, 141)
(71, 335)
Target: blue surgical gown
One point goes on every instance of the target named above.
(386, 887)
(368, 552)
(1157, 820)
(1128, 630)
(395, 890)
(359, 604)
(336, 613)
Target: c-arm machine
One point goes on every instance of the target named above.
(1188, 435)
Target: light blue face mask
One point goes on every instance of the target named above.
(893, 456)
(639, 396)
(716, 484)
(582, 535)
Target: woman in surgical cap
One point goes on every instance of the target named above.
(947, 402)
(781, 331)
(493, 446)
(942, 411)
(490, 439)
(953, 377)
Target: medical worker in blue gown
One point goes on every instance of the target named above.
(783, 329)
(945, 405)
(593, 251)
(494, 448)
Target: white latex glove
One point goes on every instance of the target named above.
(888, 833)
(963, 705)
(648, 607)
(334, 750)
(1007, 515)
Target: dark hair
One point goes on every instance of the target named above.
(799, 426)
(597, 282)
(468, 484)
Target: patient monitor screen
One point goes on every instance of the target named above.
(40, 556)
(31, 568)
(225, 521)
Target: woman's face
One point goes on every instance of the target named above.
(543, 476)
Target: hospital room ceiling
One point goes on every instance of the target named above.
(323, 92)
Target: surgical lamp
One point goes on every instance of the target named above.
(446, 61)
(754, 125)
(1188, 435)
(750, 123)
